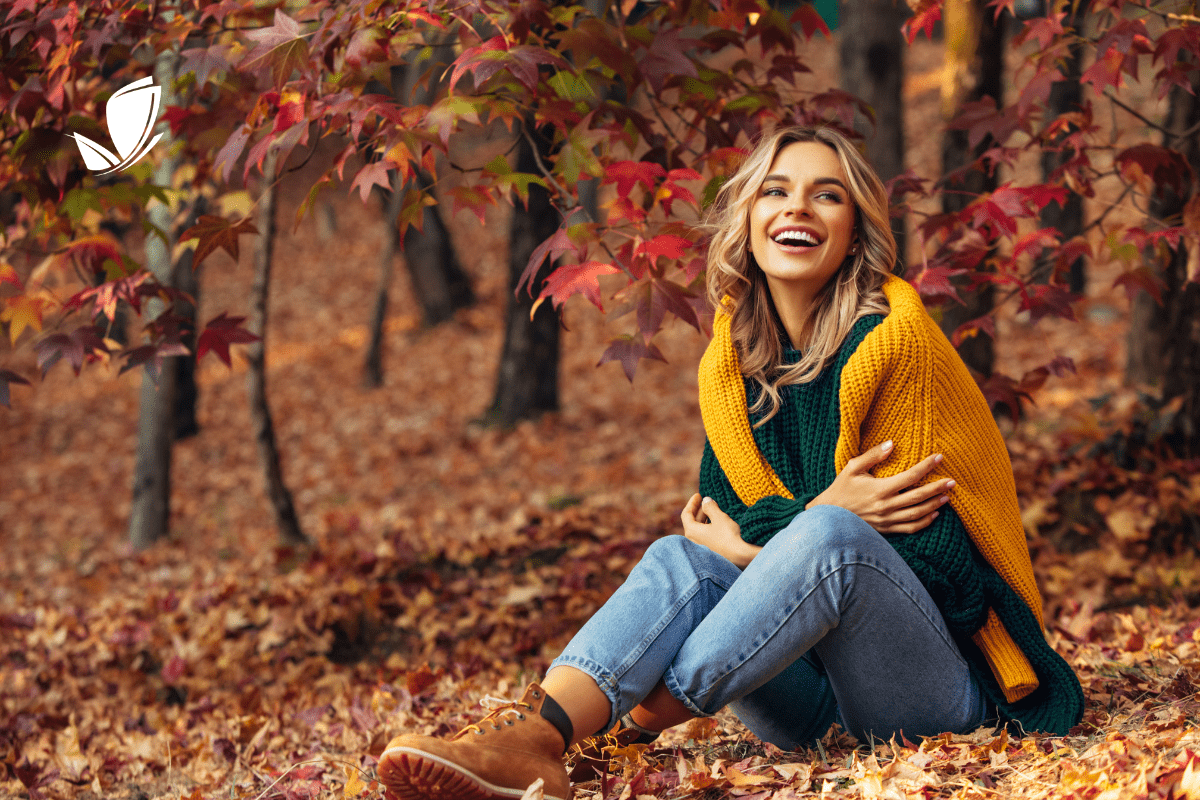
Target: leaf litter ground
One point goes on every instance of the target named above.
(453, 561)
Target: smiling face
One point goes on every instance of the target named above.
(801, 225)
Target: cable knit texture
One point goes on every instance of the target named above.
(898, 377)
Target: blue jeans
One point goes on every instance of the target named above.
(826, 620)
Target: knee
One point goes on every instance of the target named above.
(675, 553)
(825, 528)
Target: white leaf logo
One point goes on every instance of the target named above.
(131, 113)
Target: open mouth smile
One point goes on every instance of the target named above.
(795, 237)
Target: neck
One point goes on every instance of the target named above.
(793, 305)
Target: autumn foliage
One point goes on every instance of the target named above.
(274, 678)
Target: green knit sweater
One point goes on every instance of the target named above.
(799, 442)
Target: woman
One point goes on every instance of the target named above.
(835, 412)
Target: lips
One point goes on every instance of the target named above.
(796, 237)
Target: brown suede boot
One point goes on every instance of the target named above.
(498, 757)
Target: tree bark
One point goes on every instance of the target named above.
(150, 511)
(286, 521)
(527, 379)
(975, 53)
(871, 55)
(1164, 341)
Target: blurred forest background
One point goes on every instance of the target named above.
(410, 480)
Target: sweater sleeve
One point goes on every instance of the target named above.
(758, 522)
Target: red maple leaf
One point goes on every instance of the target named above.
(219, 333)
(213, 232)
(981, 118)
(1047, 300)
(571, 279)
(667, 59)
(1035, 242)
(374, 174)
(1042, 29)
(627, 174)
(666, 244)
(923, 20)
(560, 242)
(985, 324)
(1155, 168)
(629, 350)
(810, 21)
(80, 345)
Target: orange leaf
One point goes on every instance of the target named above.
(9, 275)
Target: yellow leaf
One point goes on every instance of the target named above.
(1127, 524)
(69, 754)
(22, 312)
(355, 785)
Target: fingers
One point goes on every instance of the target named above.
(928, 491)
(914, 474)
(876, 455)
(710, 508)
(914, 526)
(690, 510)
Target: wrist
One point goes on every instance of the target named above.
(745, 554)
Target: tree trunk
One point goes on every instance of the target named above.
(150, 512)
(286, 521)
(1065, 97)
(187, 279)
(373, 363)
(438, 281)
(527, 380)
(1164, 341)
(871, 57)
(975, 57)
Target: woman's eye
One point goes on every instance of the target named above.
(774, 191)
(834, 196)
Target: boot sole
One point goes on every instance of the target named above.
(411, 774)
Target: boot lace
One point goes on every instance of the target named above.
(497, 718)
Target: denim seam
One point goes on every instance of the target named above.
(609, 681)
(880, 569)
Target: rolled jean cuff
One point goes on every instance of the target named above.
(673, 687)
(605, 681)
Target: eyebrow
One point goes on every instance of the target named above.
(817, 182)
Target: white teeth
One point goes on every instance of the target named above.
(795, 237)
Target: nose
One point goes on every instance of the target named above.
(799, 206)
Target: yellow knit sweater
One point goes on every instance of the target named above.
(905, 382)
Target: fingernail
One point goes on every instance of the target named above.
(938, 458)
(887, 445)
(935, 515)
(943, 500)
(707, 500)
(950, 484)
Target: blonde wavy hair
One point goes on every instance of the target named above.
(737, 287)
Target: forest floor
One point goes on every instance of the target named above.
(452, 561)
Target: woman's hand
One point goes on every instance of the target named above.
(705, 523)
(888, 505)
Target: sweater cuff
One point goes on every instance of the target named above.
(1010, 666)
(761, 521)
